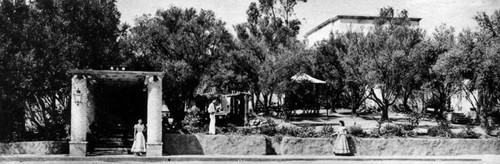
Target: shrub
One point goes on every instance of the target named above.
(467, 133)
(391, 130)
(268, 127)
(327, 131)
(289, 131)
(442, 130)
(307, 132)
(196, 121)
(414, 119)
(356, 131)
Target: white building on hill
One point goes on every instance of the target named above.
(344, 23)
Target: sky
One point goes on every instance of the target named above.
(456, 13)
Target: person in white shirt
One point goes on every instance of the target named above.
(212, 110)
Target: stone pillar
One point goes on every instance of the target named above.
(79, 116)
(154, 127)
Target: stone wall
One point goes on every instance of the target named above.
(411, 146)
(35, 147)
(175, 144)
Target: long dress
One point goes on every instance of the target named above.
(341, 146)
(211, 111)
(139, 144)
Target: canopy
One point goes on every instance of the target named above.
(305, 78)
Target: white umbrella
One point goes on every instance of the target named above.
(305, 78)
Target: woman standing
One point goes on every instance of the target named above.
(341, 146)
(211, 111)
(139, 145)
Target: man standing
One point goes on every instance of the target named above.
(211, 111)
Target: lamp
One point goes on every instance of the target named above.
(78, 96)
(164, 110)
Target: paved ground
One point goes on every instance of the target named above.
(63, 159)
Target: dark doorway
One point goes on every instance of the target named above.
(117, 109)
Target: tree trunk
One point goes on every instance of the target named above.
(385, 113)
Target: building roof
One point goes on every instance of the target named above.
(338, 17)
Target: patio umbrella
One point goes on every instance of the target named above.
(305, 78)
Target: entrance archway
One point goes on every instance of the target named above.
(84, 100)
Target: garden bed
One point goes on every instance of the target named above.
(35, 147)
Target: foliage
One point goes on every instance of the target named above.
(196, 119)
(442, 130)
(337, 62)
(356, 131)
(467, 132)
(473, 65)
(392, 54)
(268, 127)
(187, 44)
(268, 51)
(414, 118)
(42, 40)
(391, 130)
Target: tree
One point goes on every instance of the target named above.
(188, 45)
(437, 84)
(473, 65)
(390, 52)
(269, 39)
(45, 39)
(339, 62)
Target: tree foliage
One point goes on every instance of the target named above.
(41, 41)
(269, 40)
(188, 45)
(473, 65)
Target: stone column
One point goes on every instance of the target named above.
(154, 122)
(79, 116)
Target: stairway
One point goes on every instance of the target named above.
(114, 140)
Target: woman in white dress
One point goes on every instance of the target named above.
(139, 145)
(341, 146)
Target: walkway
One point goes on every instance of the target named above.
(483, 159)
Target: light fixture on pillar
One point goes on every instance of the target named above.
(78, 96)
(164, 110)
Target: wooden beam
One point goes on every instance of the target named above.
(113, 72)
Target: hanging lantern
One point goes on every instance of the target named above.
(78, 96)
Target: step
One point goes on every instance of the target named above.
(115, 139)
(109, 153)
(116, 149)
(112, 144)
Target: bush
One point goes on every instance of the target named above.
(268, 127)
(442, 130)
(307, 132)
(414, 119)
(196, 121)
(391, 130)
(356, 131)
(467, 133)
(290, 131)
(327, 131)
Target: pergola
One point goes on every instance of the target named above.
(83, 104)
